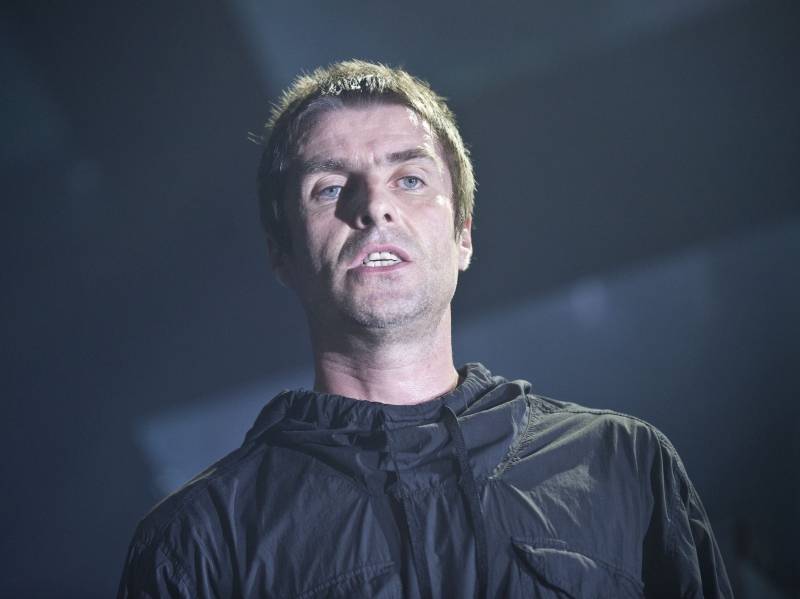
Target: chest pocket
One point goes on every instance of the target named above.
(557, 571)
(379, 581)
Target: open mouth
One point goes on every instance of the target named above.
(376, 259)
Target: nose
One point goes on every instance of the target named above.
(373, 206)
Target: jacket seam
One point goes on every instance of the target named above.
(183, 576)
(361, 571)
(512, 455)
(568, 547)
(599, 412)
(680, 478)
(437, 489)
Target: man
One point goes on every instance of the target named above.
(398, 475)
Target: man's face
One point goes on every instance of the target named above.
(371, 221)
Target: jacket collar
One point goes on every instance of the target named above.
(331, 411)
(358, 436)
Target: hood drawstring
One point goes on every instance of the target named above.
(416, 534)
(470, 489)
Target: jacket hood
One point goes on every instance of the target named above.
(364, 439)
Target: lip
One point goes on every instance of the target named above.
(375, 270)
(358, 263)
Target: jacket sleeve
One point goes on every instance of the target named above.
(152, 572)
(681, 557)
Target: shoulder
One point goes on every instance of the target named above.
(211, 511)
(173, 540)
(189, 539)
(548, 417)
(606, 457)
(203, 500)
(596, 436)
(216, 492)
(594, 422)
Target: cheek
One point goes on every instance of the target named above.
(443, 202)
(321, 246)
(446, 247)
(446, 216)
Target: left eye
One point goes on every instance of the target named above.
(330, 193)
(411, 182)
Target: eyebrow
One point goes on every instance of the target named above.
(410, 154)
(327, 165)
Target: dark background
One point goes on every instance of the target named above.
(637, 240)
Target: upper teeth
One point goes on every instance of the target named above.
(380, 259)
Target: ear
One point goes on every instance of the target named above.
(465, 245)
(279, 262)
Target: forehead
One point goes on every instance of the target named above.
(365, 133)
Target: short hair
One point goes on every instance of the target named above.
(348, 83)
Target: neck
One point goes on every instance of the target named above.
(384, 367)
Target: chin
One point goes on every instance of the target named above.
(381, 319)
(413, 312)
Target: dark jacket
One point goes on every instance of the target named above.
(488, 491)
